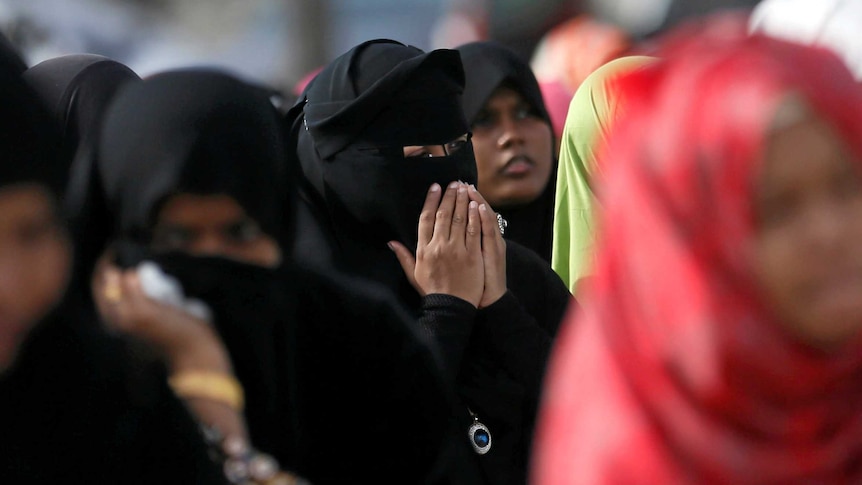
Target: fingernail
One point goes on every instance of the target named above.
(472, 187)
(462, 189)
(390, 246)
(483, 207)
(435, 187)
(453, 185)
(473, 204)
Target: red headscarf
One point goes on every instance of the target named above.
(674, 371)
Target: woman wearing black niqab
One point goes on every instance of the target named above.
(513, 142)
(372, 132)
(74, 407)
(338, 385)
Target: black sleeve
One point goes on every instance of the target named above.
(515, 341)
(448, 320)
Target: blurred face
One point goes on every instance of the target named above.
(513, 150)
(808, 248)
(213, 225)
(35, 260)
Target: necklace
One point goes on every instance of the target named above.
(480, 437)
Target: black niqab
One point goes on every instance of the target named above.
(488, 66)
(350, 127)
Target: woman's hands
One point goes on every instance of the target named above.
(460, 251)
(185, 342)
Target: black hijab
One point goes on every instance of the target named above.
(10, 58)
(74, 396)
(76, 89)
(358, 190)
(487, 66)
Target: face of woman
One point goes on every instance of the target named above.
(213, 225)
(35, 261)
(808, 247)
(513, 148)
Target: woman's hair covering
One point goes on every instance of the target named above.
(367, 96)
(10, 58)
(487, 65)
(597, 104)
(675, 370)
(833, 24)
(196, 131)
(76, 89)
(29, 142)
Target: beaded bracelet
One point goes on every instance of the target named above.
(243, 465)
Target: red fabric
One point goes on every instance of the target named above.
(673, 371)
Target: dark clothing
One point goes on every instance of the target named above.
(76, 90)
(497, 355)
(75, 407)
(357, 193)
(78, 409)
(340, 385)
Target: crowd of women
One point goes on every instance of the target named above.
(201, 283)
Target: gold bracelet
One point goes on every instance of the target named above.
(213, 386)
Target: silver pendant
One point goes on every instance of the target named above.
(480, 436)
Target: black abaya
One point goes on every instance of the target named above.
(343, 131)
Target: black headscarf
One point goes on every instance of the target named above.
(10, 58)
(349, 127)
(76, 89)
(74, 395)
(487, 66)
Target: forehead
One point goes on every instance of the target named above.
(196, 209)
(504, 95)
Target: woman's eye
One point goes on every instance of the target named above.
(34, 233)
(244, 231)
(523, 112)
(456, 145)
(418, 153)
(483, 120)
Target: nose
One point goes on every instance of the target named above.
(510, 134)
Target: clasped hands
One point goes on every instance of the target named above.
(460, 250)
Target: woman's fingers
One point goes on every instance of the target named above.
(428, 214)
(493, 257)
(474, 228)
(443, 217)
(459, 216)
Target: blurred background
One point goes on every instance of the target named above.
(280, 41)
